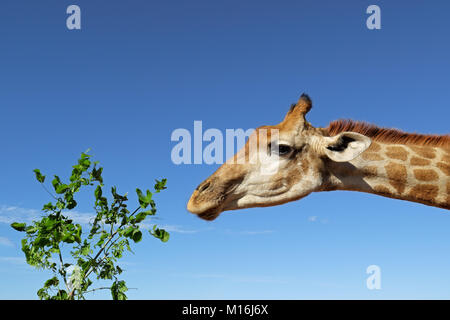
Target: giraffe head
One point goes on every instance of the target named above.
(278, 164)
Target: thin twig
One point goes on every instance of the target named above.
(96, 289)
(63, 270)
(51, 194)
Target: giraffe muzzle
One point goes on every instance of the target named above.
(212, 197)
(199, 204)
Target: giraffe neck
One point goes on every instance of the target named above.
(407, 172)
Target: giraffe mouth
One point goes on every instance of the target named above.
(210, 214)
(208, 205)
(206, 210)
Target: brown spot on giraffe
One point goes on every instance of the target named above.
(445, 158)
(448, 193)
(424, 192)
(371, 156)
(415, 161)
(370, 171)
(397, 153)
(445, 168)
(382, 189)
(397, 176)
(425, 174)
(425, 152)
(374, 147)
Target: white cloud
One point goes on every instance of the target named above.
(81, 218)
(14, 260)
(256, 232)
(170, 228)
(316, 219)
(10, 214)
(6, 242)
(178, 229)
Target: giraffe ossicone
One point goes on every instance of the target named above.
(347, 155)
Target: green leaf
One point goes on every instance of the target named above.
(128, 232)
(151, 212)
(60, 204)
(41, 242)
(142, 199)
(71, 204)
(118, 290)
(149, 196)
(61, 295)
(77, 238)
(161, 234)
(19, 226)
(42, 294)
(48, 207)
(103, 203)
(160, 185)
(31, 229)
(75, 186)
(84, 161)
(53, 282)
(61, 188)
(86, 248)
(137, 236)
(140, 216)
(98, 192)
(39, 176)
(56, 182)
(102, 238)
(97, 174)
(86, 284)
(85, 265)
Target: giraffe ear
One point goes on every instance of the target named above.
(345, 146)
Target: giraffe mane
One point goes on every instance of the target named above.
(387, 135)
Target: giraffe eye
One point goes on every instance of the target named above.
(281, 149)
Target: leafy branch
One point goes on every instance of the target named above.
(110, 234)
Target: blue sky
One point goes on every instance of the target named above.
(137, 71)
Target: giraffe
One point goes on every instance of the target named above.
(346, 155)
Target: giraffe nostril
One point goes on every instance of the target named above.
(203, 187)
